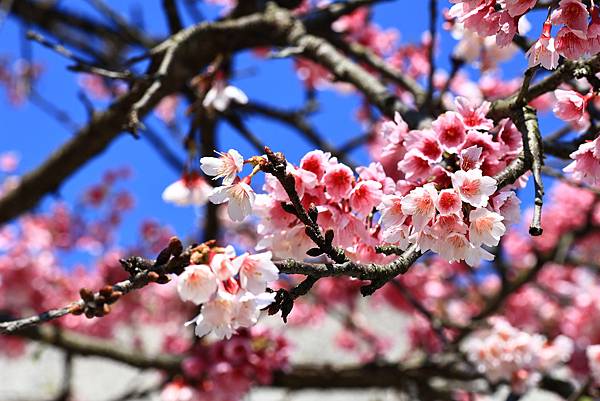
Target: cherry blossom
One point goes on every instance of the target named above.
(586, 163)
(450, 130)
(226, 166)
(365, 196)
(593, 356)
(256, 271)
(221, 95)
(239, 197)
(420, 204)
(570, 44)
(474, 188)
(570, 105)
(197, 283)
(8, 162)
(338, 180)
(448, 202)
(572, 13)
(470, 158)
(486, 227)
(504, 352)
(472, 116)
(543, 51)
(519, 7)
(191, 189)
(231, 290)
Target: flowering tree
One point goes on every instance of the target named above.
(498, 299)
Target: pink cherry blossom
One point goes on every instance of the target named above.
(586, 164)
(508, 205)
(472, 116)
(450, 130)
(216, 316)
(197, 283)
(572, 13)
(223, 267)
(519, 7)
(570, 44)
(474, 188)
(316, 162)
(570, 105)
(167, 108)
(365, 196)
(426, 142)
(416, 165)
(226, 166)
(504, 352)
(593, 357)
(593, 32)
(470, 158)
(391, 210)
(248, 306)
(543, 51)
(455, 247)
(448, 202)
(420, 204)
(338, 180)
(239, 197)
(508, 29)
(8, 162)
(178, 391)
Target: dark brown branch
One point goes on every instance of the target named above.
(566, 71)
(76, 30)
(147, 272)
(80, 344)
(389, 72)
(80, 64)
(379, 274)
(173, 18)
(344, 69)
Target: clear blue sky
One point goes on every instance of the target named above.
(32, 133)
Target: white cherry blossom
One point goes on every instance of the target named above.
(197, 284)
(256, 271)
(226, 166)
(240, 197)
(486, 227)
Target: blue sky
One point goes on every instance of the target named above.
(32, 133)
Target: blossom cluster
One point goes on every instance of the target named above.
(431, 187)
(505, 353)
(445, 198)
(579, 32)
(230, 288)
(225, 370)
(345, 204)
